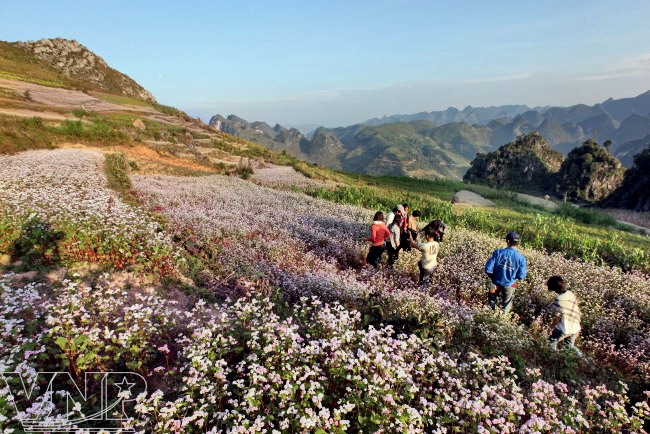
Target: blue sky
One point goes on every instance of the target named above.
(336, 63)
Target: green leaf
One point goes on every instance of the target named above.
(62, 342)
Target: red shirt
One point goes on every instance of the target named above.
(378, 234)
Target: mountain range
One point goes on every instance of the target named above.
(443, 143)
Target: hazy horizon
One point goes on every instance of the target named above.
(341, 63)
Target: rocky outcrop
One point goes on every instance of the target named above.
(528, 163)
(74, 60)
(589, 174)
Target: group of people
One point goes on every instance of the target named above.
(400, 232)
(504, 268)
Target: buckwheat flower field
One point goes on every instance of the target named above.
(292, 333)
(64, 195)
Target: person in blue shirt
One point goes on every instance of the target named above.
(504, 268)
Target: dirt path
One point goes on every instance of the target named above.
(466, 197)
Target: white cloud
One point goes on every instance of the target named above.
(636, 66)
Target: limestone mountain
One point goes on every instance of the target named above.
(564, 128)
(526, 164)
(590, 173)
(469, 115)
(627, 151)
(443, 143)
(276, 138)
(417, 148)
(75, 61)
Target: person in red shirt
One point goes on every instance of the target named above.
(378, 236)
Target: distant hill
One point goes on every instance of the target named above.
(442, 143)
(526, 164)
(416, 148)
(470, 115)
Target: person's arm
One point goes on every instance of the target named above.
(371, 238)
(521, 272)
(556, 321)
(414, 245)
(489, 266)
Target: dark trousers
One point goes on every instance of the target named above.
(393, 254)
(404, 242)
(506, 294)
(425, 275)
(374, 255)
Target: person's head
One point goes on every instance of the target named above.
(406, 207)
(416, 213)
(556, 284)
(439, 228)
(512, 238)
(379, 216)
(395, 210)
(430, 234)
(400, 210)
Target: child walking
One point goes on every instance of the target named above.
(429, 260)
(566, 325)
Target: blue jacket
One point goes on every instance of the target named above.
(506, 266)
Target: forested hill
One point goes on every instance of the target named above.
(442, 144)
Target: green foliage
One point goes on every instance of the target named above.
(21, 135)
(524, 164)
(37, 244)
(71, 128)
(377, 199)
(634, 193)
(584, 215)
(98, 130)
(80, 113)
(116, 168)
(589, 173)
(35, 122)
(171, 111)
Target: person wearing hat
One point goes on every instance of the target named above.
(504, 268)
